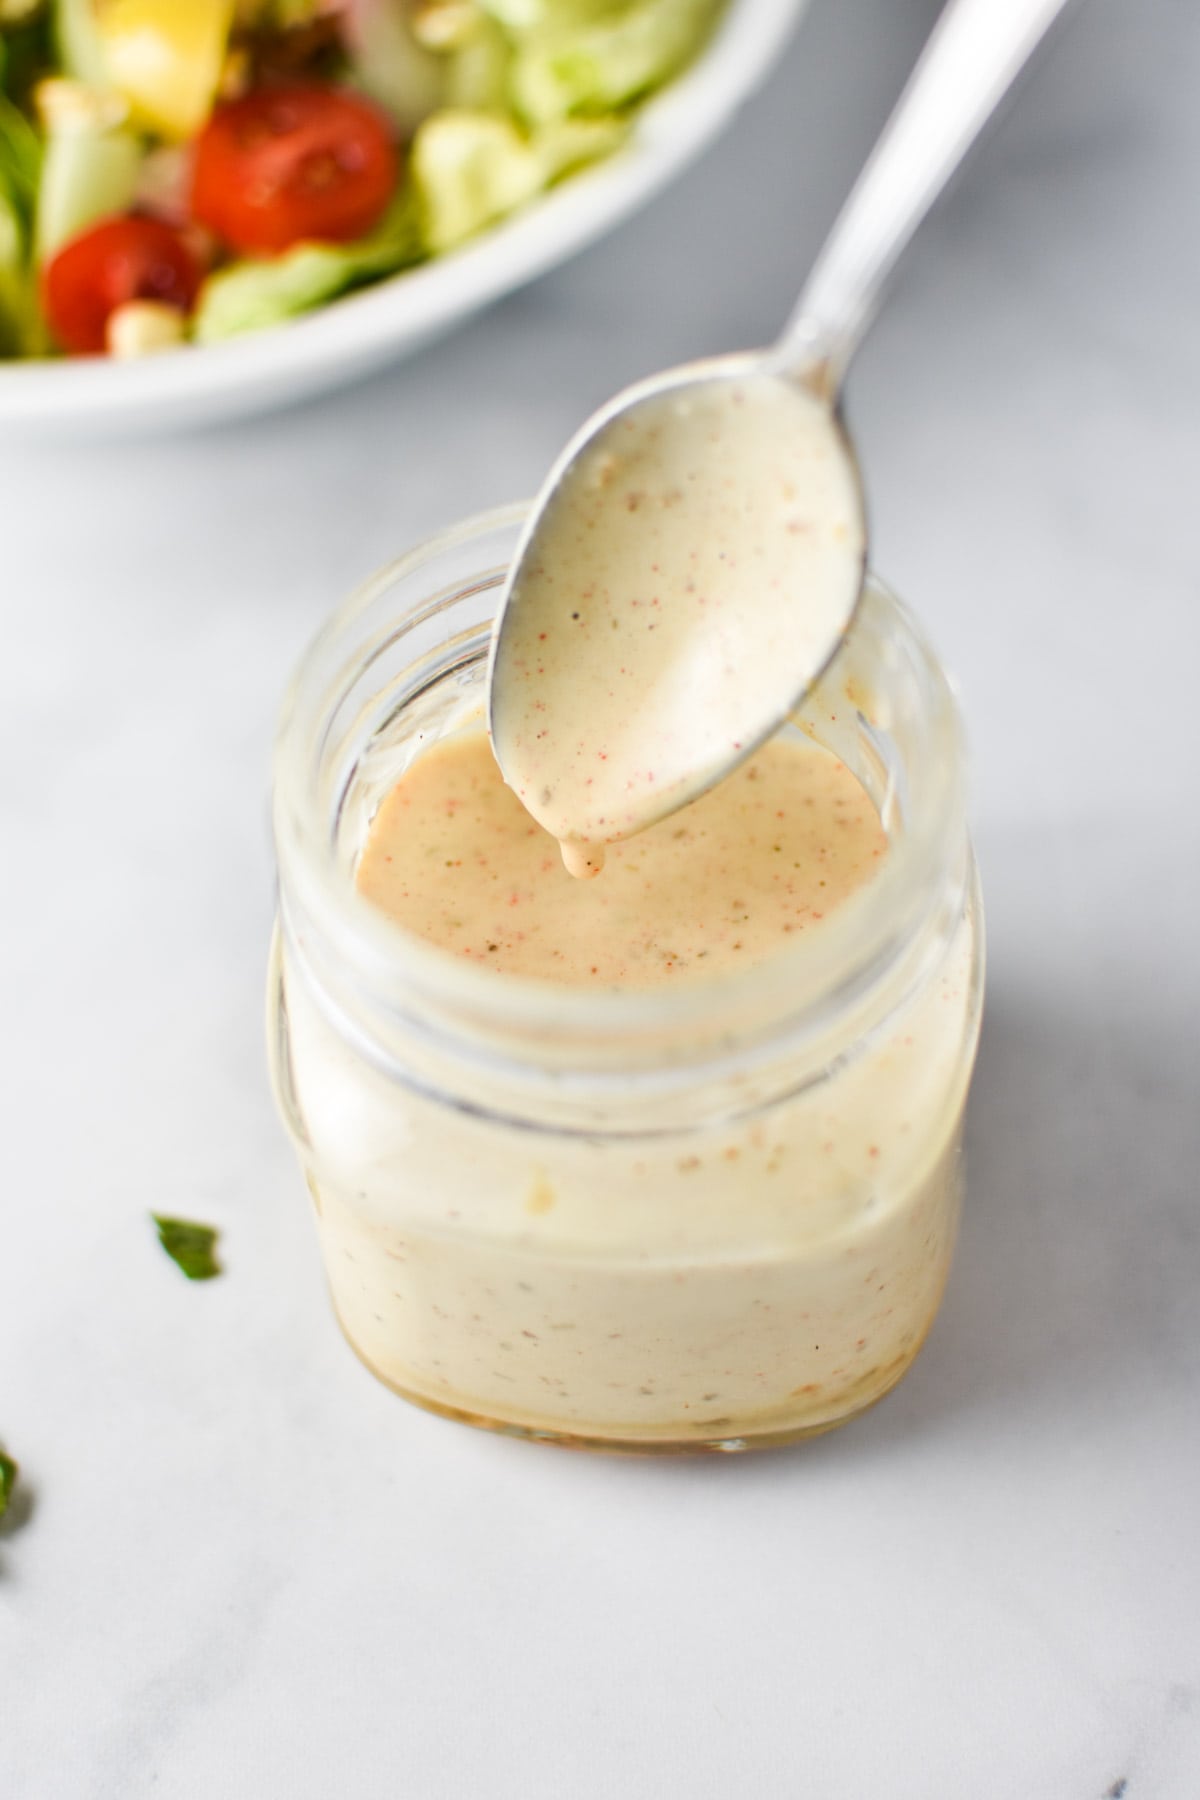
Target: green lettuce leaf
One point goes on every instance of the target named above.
(248, 295)
(20, 168)
(478, 68)
(15, 286)
(519, 16)
(471, 168)
(20, 156)
(566, 64)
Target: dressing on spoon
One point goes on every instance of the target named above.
(695, 569)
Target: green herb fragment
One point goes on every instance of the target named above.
(20, 162)
(20, 154)
(191, 1246)
(8, 1481)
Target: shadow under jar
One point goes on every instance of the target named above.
(710, 1217)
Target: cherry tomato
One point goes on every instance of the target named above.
(291, 163)
(120, 259)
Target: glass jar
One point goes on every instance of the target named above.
(709, 1217)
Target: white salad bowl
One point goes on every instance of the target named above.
(347, 338)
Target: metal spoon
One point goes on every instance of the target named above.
(697, 552)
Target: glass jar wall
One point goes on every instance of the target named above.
(706, 1217)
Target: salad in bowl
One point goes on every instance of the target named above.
(187, 171)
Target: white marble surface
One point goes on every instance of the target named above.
(247, 1570)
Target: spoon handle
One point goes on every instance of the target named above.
(973, 53)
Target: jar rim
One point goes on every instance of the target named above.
(808, 987)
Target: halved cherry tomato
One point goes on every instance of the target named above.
(121, 259)
(287, 164)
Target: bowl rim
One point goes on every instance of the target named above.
(347, 337)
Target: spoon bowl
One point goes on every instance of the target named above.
(699, 541)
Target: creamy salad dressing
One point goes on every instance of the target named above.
(693, 574)
(764, 857)
(756, 1277)
(761, 1276)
